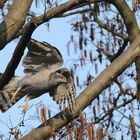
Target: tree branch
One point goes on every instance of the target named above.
(102, 25)
(133, 31)
(2, 2)
(88, 95)
(59, 10)
(76, 12)
(113, 109)
(13, 21)
(121, 49)
(17, 55)
(127, 118)
(128, 17)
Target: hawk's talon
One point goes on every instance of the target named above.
(25, 107)
(14, 94)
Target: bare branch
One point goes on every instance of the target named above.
(59, 10)
(127, 118)
(102, 25)
(113, 109)
(76, 12)
(121, 49)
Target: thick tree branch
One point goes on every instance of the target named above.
(128, 17)
(133, 32)
(13, 21)
(88, 2)
(59, 10)
(89, 94)
(76, 12)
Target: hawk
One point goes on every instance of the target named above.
(42, 74)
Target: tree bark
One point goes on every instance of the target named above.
(13, 21)
(133, 31)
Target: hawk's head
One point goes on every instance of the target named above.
(57, 78)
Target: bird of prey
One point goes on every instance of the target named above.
(42, 74)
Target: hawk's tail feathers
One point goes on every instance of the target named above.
(5, 101)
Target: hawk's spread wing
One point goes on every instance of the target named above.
(64, 93)
(41, 56)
